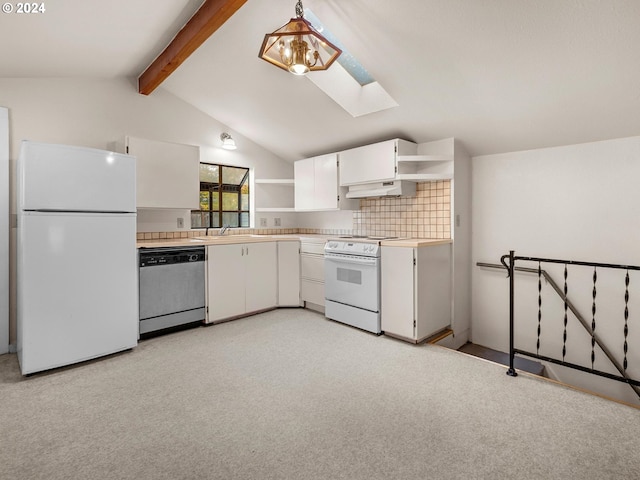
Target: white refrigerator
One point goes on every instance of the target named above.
(77, 269)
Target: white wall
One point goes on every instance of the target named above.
(579, 202)
(4, 230)
(100, 112)
(338, 220)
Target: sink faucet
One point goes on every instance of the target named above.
(223, 229)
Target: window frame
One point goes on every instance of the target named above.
(220, 188)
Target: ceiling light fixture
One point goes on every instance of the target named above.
(298, 47)
(228, 143)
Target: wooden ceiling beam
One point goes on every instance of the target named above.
(209, 17)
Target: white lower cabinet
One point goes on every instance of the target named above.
(241, 278)
(416, 291)
(288, 274)
(312, 274)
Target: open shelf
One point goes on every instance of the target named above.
(276, 181)
(424, 168)
(424, 177)
(270, 191)
(425, 158)
(275, 209)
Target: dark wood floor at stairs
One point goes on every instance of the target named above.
(502, 358)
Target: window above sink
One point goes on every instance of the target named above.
(224, 197)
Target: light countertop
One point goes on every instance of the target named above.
(312, 238)
(415, 242)
(226, 240)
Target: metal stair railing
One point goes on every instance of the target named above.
(595, 339)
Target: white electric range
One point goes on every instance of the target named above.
(352, 281)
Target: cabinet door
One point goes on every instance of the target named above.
(371, 163)
(167, 174)
(433, 281)
(325, 169)
(312, 291)
(304, 175)
(288, 274)
(226, 281)
(397, 303)
(312, 267)
(261, 275)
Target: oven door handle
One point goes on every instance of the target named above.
(352, 259)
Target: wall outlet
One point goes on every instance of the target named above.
(277, 222)
(180, 222)
(263, 222)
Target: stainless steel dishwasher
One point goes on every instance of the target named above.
(172, 287)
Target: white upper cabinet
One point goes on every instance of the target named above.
(373, 163)
(316, 185)
(168, 174)
(325, 172)
(304, 178)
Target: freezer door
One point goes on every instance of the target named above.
(77, 287)
(67, 178)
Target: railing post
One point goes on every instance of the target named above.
(511, 371)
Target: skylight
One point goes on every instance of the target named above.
(347, 82)
(348, 61)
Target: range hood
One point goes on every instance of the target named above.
(395, 188)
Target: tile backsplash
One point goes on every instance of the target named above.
(427, 215)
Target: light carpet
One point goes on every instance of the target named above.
(290, 395)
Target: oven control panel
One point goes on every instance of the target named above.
(367, 249)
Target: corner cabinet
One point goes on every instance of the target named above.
(167, 174)
(416, 291)
(317, 187)
(289, 274)
(241, 279)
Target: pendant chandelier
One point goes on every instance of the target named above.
(298, 47)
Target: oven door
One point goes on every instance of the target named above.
(352, 280)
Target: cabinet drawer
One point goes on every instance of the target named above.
(312, 291)
(312, 267)
(315, 248)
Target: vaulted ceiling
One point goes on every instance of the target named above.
(500, 75)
